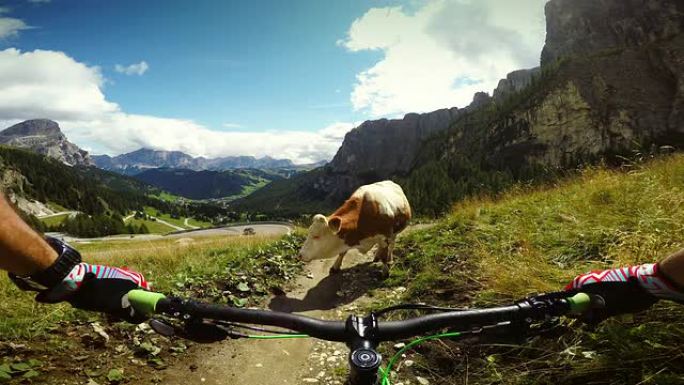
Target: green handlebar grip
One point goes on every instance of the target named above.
(143, 301)
(579, 303)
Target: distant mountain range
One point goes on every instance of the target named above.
(174, 171)
(144, 159)
(44, 137)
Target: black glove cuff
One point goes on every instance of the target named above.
(68, 258)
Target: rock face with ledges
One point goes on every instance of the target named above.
(384, 147)
(612, 82)
(45, 137)
(580, 27)
(516, 81)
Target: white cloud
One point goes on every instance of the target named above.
(133, 69)
(9, 26)
(443, 53)
(49, 84)
(120, 132)
(233, 125)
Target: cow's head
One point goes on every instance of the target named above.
(323, 240)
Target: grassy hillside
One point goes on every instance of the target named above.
(208, 184)
(490, 251)
(55, 220)
(290, 197)
(180, 221)
(88, 190)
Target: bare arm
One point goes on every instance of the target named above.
(673, 267)
(22, 250)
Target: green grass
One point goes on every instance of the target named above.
(492, 251)
(205, 268)
(55, 220)
(196, 223)
(165, 196)
(56, 207)
(151, 211)
(248, 189)
(154, 226)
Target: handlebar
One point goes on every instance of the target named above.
(535, 308)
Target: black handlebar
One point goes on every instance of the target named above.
(327, 330)
(531, 309)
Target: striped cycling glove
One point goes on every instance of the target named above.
(647, 276)
(628, 289)
(98, 288)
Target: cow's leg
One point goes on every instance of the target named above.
(337, 266)
(387, 261)
(390, 250)
(381, 252)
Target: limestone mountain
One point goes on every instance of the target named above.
(143, 159)
(610, 82)
(44, 137)
(137, 161)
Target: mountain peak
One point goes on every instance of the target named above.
(44, 136)
(34, 127)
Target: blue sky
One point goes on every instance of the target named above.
(293, 74)
(253, 63)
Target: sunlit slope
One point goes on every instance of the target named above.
(532, 240)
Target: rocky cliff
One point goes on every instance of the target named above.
(44, 136)
(581, 27)
(378, 149)
(515, 82)
(612, 81)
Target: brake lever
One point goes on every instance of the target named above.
(196, 330)
(162, 327)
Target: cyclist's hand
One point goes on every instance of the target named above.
(98, 288)
(625, 290)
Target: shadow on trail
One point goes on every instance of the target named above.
(333, 290)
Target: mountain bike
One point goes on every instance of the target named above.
(202, 322)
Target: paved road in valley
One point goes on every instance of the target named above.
(259, 229)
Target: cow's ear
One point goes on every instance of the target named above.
(335, 224)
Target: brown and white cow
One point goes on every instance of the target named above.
(373, 215)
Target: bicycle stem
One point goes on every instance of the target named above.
(364, 359)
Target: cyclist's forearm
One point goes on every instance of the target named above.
(673, 267)
(22, 250)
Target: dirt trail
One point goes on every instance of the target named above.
(293, 361)
(278, 362)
